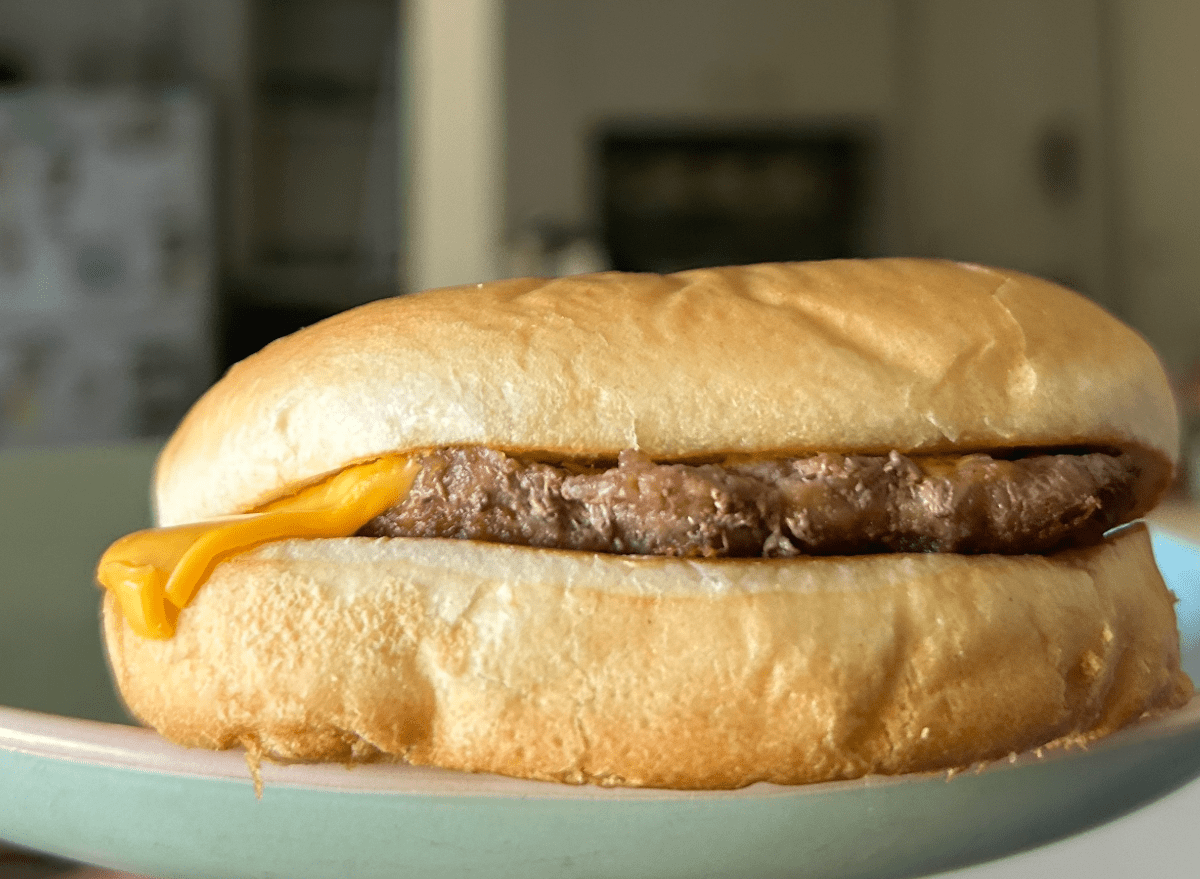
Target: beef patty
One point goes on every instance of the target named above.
(819, 504)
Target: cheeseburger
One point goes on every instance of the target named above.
(785, 523)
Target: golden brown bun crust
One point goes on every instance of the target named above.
(660, 672)
(837, 356)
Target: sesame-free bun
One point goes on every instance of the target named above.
(854, 356)
(663, 672)
(689, 673)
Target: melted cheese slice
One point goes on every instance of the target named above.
(155, 573)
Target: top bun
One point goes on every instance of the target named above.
(920, 356)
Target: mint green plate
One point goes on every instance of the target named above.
(76, 784)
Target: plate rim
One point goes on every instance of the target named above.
(139, 749)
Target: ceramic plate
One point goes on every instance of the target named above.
(122, 797)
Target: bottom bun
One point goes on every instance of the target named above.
(657, 672)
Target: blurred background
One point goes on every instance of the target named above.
(183, 180)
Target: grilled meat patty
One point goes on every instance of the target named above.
(814, 505)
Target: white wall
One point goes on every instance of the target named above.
(961, 91)
(453, 133)
(574, 65)
(1159, 135)
(987, 81)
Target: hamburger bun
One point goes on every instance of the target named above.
(688, 673)
(856, 356)
(663, 672)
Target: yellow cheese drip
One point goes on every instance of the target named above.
(155, 573)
